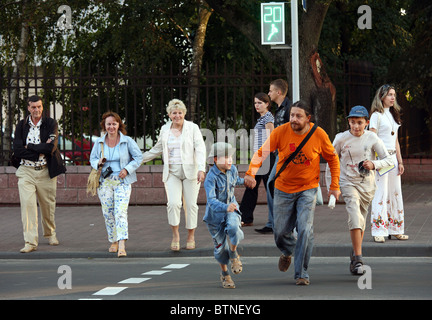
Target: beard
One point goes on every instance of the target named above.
(298, 127)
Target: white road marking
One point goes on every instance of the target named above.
(175, 266)
(134, 280)
(155, 272)
(109, 291)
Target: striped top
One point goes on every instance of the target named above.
(260, 132)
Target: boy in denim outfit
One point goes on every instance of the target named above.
(222, 216)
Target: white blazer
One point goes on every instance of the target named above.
(193, 150)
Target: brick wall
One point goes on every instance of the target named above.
(149, 189)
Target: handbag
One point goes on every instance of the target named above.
(291, 157)
(94, 176)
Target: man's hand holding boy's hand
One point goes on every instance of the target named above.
(249, 182)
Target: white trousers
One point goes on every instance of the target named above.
(387, 213)
(181, 191)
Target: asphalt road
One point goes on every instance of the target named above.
(178, 281)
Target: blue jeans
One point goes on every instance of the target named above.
(230, 226)
(295, 210)
(270, 199)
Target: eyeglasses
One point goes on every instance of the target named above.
(386, 87)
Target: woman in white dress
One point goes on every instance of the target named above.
(387, 213)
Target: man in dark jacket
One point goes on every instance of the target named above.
(35, 143)
(278, 94)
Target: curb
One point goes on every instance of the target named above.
(321, 250)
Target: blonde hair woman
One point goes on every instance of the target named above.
(387, 214)
(183, 151)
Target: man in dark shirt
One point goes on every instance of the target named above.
(35, 143)
(278, 94)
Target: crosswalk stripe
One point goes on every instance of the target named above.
(134, 280)
(175, 266)
(109, 291)
(155, 272)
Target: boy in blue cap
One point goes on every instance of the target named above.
(356, 148)
(222, 216)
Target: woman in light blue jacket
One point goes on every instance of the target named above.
(121, 157)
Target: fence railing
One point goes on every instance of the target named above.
(78, 98)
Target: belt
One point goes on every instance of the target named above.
(391, 152)
(37, 168)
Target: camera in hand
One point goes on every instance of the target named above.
(107, 172)
(362, 169)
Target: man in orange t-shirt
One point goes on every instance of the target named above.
(296, 187)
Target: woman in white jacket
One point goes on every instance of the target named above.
(183, 151)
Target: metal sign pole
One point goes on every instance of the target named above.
(295, 52)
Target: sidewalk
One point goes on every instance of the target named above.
(81, 232)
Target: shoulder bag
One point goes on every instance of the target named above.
(94, 176)
(290, 158)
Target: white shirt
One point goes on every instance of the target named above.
(385, 125)
(34, 137)
(351, 151)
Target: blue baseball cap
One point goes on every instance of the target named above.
(359, 112)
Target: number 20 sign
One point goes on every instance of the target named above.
(272, 23)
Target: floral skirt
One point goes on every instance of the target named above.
(114, 196)
(387, 212)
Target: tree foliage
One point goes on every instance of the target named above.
(156, 36)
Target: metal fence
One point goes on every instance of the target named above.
(77, 98)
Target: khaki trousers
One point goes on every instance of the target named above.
(36, 186)
(357, 204)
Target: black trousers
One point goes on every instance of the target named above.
(250, 196)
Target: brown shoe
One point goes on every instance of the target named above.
(284, 262)
(227, 282)
(28, 248)
(113, 247)
(302, 282)
(53, 241)
(121, 249)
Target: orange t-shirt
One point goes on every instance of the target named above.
(303, 172)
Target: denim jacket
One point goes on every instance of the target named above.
(219, 189)
(130, 156)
